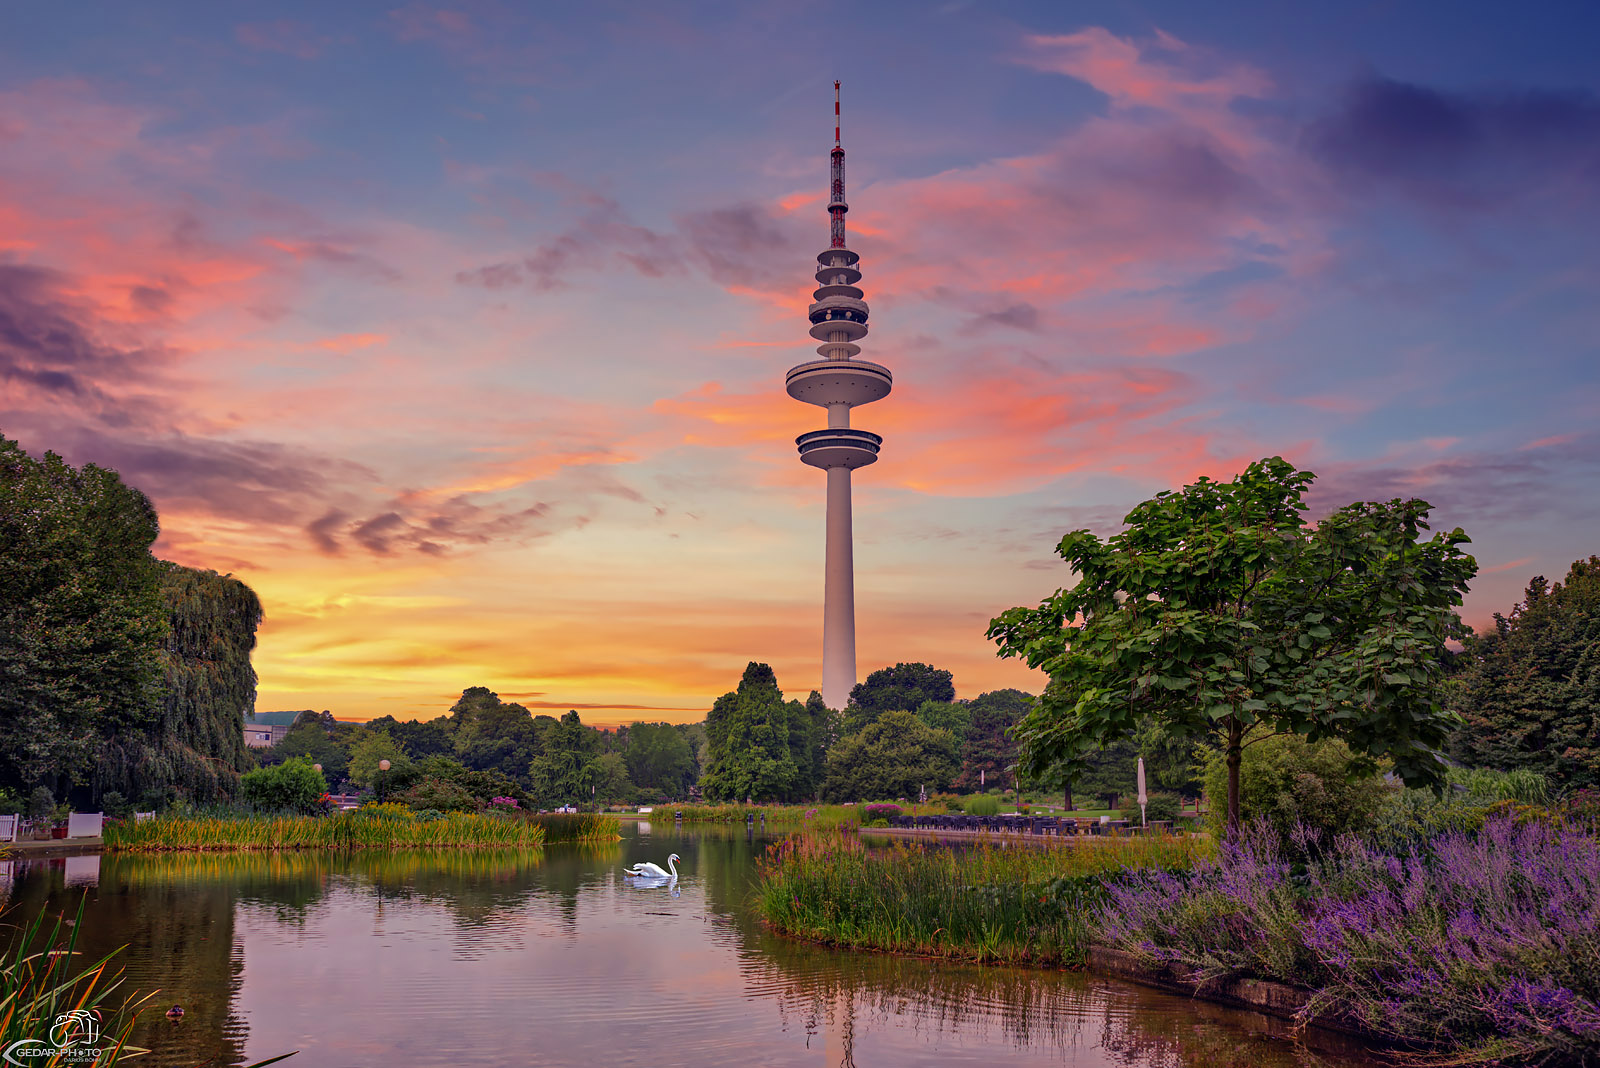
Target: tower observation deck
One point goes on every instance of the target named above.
(838, 381)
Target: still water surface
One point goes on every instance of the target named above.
(469, 958)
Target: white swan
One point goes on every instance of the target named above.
(655, 871)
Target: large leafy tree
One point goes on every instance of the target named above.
(1530, 688)
(659, 757)
(902, 688)
(952, 716)
(1220, 611)
(81, 619)
(421, 737)
(565, 772)
(371, 747)
(988, 749)
(494, 735)
(757, 741)
(894, 756)
(193, 746)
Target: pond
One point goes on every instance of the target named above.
(466, 958)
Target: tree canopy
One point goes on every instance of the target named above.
(988, 749)
(81, 620)
(1220, 611)
(894, 756)
(659, 757)
(902, 688)
(1530, 688)
(194, 744)
(760, 745)
(565, 772)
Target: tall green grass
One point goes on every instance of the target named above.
(577, 827)
(376, 827)
(1019, 904)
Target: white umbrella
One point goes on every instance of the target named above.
(1143, 799)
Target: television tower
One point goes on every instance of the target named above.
(838, 382)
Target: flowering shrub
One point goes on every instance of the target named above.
(884, 814)
(504, 804)
(1486, 944)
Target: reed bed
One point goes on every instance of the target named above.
(986, 903)
(577, 827)
(243, 868)
(397, 828)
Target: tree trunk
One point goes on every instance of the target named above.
(1068, 791)
(1235, 752)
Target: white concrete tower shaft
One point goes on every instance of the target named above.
(838, 382)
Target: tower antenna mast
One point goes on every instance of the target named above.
(838, 382)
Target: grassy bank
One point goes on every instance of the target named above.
(817, 816)
(1478, 946)
(375, 827)
(987, 903)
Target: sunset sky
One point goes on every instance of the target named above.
(458, 332)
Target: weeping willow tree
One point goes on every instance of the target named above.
(194, 747)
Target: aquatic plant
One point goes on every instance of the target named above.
(373, 827)
(1484, 944)
(41, 984)
(576, 827)
(983, 903)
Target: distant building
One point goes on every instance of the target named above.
(260, 736)
(265, 729)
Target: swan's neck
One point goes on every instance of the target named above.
(673, 866)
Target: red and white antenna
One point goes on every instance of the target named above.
(836, 202)
(835, 114)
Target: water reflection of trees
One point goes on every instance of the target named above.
(182, 944)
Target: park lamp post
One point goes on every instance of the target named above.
(383, 768)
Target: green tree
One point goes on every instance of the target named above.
(659, 758)
(1220, 611)
(193, 746)
(370, 748)
(611, 782)
(81, 618)
(757, 742)
(1291, 783)
(988, 750)
(818, 730)
(952, 716)
(564, 773)
(1530, 688)
(493, 735)
(902, 688)
(420, 737)
(318, 739)
(894, 756)
(293, 786)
